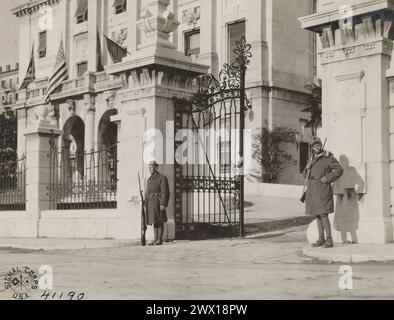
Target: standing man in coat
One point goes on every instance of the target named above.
(322, 170)
(157, 196)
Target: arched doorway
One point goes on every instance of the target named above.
(107, 141)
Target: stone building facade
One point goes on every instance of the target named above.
(9, 82)
(169, 43)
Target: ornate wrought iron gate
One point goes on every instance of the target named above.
(209, 143)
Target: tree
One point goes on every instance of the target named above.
(8, 138)
(315, 108)
(269, 151)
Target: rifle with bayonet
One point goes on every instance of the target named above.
(143, 225)
(308, 174)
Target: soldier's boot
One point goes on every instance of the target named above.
(327, 228)
(329, 243)
(321, 241)
(153, 243)
(160, 232)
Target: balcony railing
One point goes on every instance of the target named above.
(89, 83)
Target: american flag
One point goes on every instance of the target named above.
(59, 72)
(30, 73)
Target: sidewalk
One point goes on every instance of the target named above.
(48, 244)
(267, 214)
(262, 214)
(353, 253)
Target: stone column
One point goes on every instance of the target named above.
(38, 170)
(256, 36)
(208, 54)
(356, 119)
(132, 15)
(390, 77)
(94, 24)
(90, 122)
(158, 73)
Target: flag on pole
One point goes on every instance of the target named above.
(100, 66)
(30, 73)
(59, 72)
(116, 52)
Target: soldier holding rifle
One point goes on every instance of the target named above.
(322, 170)
(155, 204)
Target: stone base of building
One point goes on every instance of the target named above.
(17, 224)
(77, 224)
(369, 230)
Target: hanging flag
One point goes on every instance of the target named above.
(59, 72)
(30, 73)
(100, 66)
(116, 52)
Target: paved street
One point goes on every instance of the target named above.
(266, 267)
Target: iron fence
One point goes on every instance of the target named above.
(83, 181)
(13, 185)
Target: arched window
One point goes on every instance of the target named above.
(107, 145)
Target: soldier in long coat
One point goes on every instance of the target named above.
(157, 196)
(322, 170)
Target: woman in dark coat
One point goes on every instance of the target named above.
(322, 170)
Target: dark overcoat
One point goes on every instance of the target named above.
(319, 196)
(157, 194)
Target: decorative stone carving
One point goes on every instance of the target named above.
(109, 97)
(157, 23)
(54, 114)
(41, 113)
(366, 30)
(120, 37)
(191, 16)
(71, 106)
(89, 102)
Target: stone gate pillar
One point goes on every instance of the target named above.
(38, 169)
(156, 73)
(355, 54)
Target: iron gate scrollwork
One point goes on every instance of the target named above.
(209, 150)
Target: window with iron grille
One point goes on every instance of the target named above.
(304, 155)
(82, 67)
(82, 11)
(192, 43)
(235, 32)
(120, 6)
(42, 49)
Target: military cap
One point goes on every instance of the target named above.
(316, 140)
(153, 163)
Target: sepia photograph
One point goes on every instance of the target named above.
(186, 152)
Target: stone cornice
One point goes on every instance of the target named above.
(33, 6)
(318, 21)
(160, 83)
(157, 57)
(382, 46)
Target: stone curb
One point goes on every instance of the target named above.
(328, 255)
(276, 225)
(74, 244)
